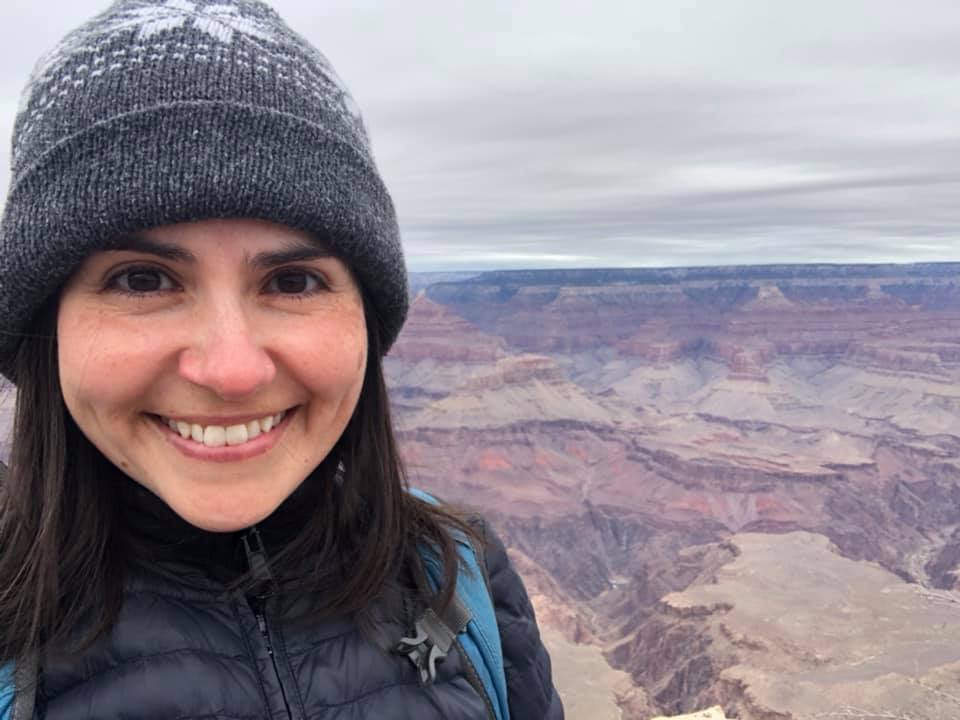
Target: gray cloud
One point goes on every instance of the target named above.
(637, 133)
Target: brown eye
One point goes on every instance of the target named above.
(138, 281)
(294, 282)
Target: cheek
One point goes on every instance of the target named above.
(332, 359)
(101, 364)
(79, 352)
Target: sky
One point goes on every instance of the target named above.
(633, 133)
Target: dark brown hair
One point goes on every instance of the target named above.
(61, 559)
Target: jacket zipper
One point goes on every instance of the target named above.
(257, 561)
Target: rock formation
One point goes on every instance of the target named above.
(714, 713)
(807, 633)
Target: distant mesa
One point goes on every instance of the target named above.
(769, 298)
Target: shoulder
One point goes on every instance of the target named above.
(526, 660)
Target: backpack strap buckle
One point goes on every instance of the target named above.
(432, 641)
(423, 654)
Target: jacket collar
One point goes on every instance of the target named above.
(155, 533)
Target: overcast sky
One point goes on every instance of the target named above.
(544, 133)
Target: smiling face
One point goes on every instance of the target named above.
(216, 363)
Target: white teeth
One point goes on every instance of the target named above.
(236, 434)
(218, 435)
(214, 436)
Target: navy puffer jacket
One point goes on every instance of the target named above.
(180, 651)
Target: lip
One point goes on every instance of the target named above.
(260, 445)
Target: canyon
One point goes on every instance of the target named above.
(725, 487)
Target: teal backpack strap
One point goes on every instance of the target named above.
(470, 621)
(16, 705)
(7, 673)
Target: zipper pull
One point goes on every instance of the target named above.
(257, 561)
(262, 624)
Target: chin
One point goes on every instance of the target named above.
(221, 519)
(220, 525)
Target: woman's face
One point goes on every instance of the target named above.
(248, 337)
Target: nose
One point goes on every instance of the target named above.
(227, 353)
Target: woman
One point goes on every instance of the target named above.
(205, 514)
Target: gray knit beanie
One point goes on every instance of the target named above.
(156, 113)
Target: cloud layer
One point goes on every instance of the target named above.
(661, 132)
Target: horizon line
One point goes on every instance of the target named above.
(833, 264)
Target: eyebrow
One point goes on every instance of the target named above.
(295, 251)
(138, 243)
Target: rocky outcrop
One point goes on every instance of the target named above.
(714, 713)
(803, 632)
(943, 569)
(896, 359)
(517, 370)
(434, 332)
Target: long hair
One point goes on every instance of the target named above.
(61, 563)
